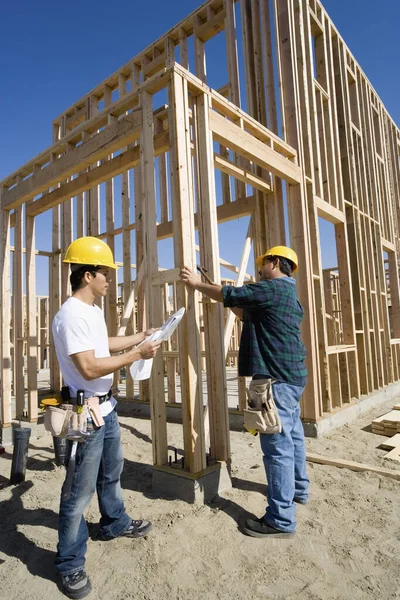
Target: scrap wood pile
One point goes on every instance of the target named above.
(389, 425)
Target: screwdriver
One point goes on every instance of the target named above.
(80, 401)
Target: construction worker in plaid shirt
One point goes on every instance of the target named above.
(271, 348)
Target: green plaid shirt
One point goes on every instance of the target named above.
(270, 344)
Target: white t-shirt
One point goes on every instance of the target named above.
(78, 327)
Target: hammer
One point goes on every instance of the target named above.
(203, 271)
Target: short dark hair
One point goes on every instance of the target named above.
(285, 265)
(78, 273)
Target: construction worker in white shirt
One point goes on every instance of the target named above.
(84, 353)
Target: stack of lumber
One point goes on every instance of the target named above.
(388, 424)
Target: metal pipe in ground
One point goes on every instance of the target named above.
(20, 455)
(60, 451)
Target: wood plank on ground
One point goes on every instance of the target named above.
(353, 466)
(391, 443)
(394, 454)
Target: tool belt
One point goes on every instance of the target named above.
(68, 420)
(261, 414)
(102, 398)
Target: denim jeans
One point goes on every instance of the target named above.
(285, 460)
(99, 463)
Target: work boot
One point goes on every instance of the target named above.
(259, 528)
(77, 585)
(137, 529)
(300, 500)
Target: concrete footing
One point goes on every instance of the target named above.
(350, 413)
(169, 482)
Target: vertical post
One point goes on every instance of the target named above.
(153, 304)
(92, 195)
(297, 207)
(213, 311)
(184, 251)
(66, 235)
(139, 208)
(31, 308)
(55, 290)
(18, 312)
(126, 247)
(110, 307)
(183, 49)
(199, 51)
(5, 308)
(274, 205)
(233, 74)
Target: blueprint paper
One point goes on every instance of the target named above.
(141, 369)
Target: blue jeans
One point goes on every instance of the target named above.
(99, 463)
(285, 460)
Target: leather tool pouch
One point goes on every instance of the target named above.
(57, 419)
(261, 414)
(65, 421)
(94, 411)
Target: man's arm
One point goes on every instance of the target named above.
(91, 367)
(123, 342)
(213, 291)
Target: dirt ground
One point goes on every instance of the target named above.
(347, 544)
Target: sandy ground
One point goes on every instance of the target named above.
(347, 544)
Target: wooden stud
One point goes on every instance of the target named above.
(18, 315)
(5, 308)
(213, 314)
(31, 327)
(150, 258)
(183, 224)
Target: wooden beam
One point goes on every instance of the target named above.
(329, 212)
(225, 212)
(167, 276)
(228, 167)
(111, 168)
(97, 147)
(211, 27)
(232, 136)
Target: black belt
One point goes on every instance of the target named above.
(105, 397)
(102, 398)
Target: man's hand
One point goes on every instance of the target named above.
(149, 332)
(189, 278)
(149, 349)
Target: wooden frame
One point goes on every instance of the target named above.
(315, 141)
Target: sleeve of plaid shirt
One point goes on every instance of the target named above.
(250, 296)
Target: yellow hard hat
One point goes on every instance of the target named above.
(282, 251)
(90, 251)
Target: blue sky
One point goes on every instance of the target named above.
(52, 53)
